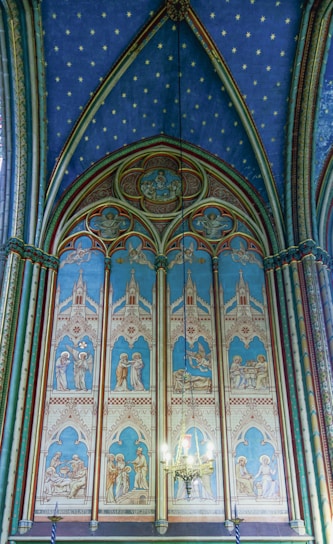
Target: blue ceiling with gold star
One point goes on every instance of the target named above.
(112, 79)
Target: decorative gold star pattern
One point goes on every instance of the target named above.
(256, 39)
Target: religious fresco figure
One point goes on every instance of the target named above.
(56, 460)
(122, 479)
(65, 478)
(140, 466)
(161, 185)
(252, 375)
(261, 479)
(137, 255)
(55, 484)
(236, 372)
(122, 372)
(129, 373)
(206, 483)
(136, 371)
(127, 468)
(244, 480)
(183, 381)
(243, 256)
(213, 224)
(61, 371)
(109, 223)
(199, 359)
(184, 255)
(266, 485)
(78, 476)
(83, 363)
(262, 381)
(111, 476)
(202, 486)
(78, 256)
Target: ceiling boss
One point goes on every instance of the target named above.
(177, 9)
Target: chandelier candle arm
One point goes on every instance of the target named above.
(187, 467)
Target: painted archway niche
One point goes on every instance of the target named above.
(153, 249)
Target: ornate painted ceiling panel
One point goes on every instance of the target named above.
(258, 39)
(145, 102)
(254, 41)
(82, 41)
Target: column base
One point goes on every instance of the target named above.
(298, 526)
(161, 526)
(24, 525)
(229, 525)
(93, 524)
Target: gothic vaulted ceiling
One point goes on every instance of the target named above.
(112, 80)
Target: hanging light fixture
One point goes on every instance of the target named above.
(188, 468)
(184, 466)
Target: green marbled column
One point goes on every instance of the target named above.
(35, 404)
(278, 281)
(313, 447)
(16, 390)
(327, 303)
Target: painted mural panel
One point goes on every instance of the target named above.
(255, 460)
(67, 451)
(191, 317)
(98, 449)
(193, 394)
(131, 317)
(128, 437)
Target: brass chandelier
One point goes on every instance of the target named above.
(188, 468)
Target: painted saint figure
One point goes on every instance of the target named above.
(111, 476)
(213, 224)
(262, 372)
(244, 479)
(183, 381)
(55, 461)
(54, 484)
(141, 468)
(122, 372)
(122, 479)
(78, 476)
(236, 372)
(82, 364)
(136, 371)
(109, 224)
(243, 256)
(61, 369)
(266, 486)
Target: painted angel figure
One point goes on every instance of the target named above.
(136, 255)
(199, 359)
(109, 224)
(213, 224)
(78, 255)
(184, 255)
(243, 256)
(83, 362)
